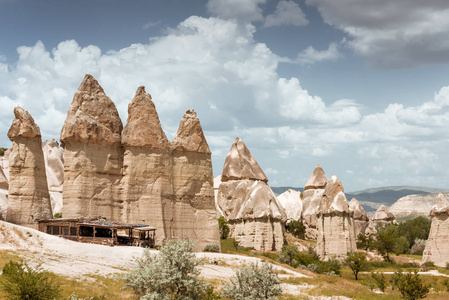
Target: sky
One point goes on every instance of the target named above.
(360, 87)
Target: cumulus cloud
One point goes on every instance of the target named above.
(310, 55)
(248, 10)
(392, 34)
(286, 13)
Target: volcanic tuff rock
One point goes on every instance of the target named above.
(255, 216)
(412, 206)
(437, 246)
(54, 169)
(292, 203)
(311, 200)
(381, 217)
(28, 191)
(335, 223)
(360, 217)
(93, 157)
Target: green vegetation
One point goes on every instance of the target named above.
(380, 281)
(296, 228)
(211, 248)
(224, 228)
(2, 151)
(356, 261)
(57, 215)
(20, 281)
(253, 282)
(410, 285)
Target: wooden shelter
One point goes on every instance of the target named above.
(100, 231)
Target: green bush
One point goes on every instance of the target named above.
(296, 228)
(253, 282)
(57, 215)
(356, 261)
(410, 285)
(224, 227)
(401, 245)
(418, 228)
(170, 274)
(20, 281)
(365, 242)
(380, 281)
(418, 247)
(211, 248)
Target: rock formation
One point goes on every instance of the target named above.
(4, 183)
(93, 157)
(437, 246)
(292, 203)
(360, 217)
(311, 200)
(54, 168)
(382, 217)
(413, 206)
(255, 216)
(147, 167)
(193, 209)
(28, 197)
(335, 223)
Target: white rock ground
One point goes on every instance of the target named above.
(77, 260)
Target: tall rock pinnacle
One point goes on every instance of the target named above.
(190, 136)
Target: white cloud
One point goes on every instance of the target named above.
(310, 55)
(248, 10)
(392, 34)
(287, 13)
(150, 24)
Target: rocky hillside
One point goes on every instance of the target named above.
(412, 206)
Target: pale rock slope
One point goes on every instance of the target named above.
(93, 158)
(413, 206)
(54, 169)
(382, 217)
(437, 246)
(311, 200)
(361, 219)
(292, 203)
(28, 197)
(335, 226)
(193, 210)
(255, 216)
(147, 166)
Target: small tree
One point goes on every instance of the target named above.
(296, 228)
(20, 281)
(401, 245)
(365, 242)
(253, 282)
(386, 239)
(410, 285)
(380, 281)
(171, 274)
(356, 261)
(224, 228)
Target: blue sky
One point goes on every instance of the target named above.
(359, 87)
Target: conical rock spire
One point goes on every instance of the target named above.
(317, 180)
(190, 136)
(23, 125)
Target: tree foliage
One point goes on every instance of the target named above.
(410, 285)
(296, 228)
(365, 242)
(170, 274)
(385, 241)
(380, 281)
(356, 261)
(253, 282)
(224, 228)
(20, 281)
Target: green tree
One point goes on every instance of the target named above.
(410, 285)
(171, 274)
(20, 281)
(365, 242)
(253, 283)
(356, 261)
(401, 245)
(385, 241)
(296, 228)
(380, 281)
(417, 228)
(224, 228)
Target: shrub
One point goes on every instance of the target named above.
(417, 228)
(296, 228)
(211, 248)
(224, 227)
(446, 284)
(171, 274)
(57, 215)
(253, 282)
(418, 247)
(380, 281)
(386, 240)
(428, 265)
(20, 281)
(365, 242)
(410, 285)
(356, 261)
(401, 245)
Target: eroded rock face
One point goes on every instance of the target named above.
(255, 216)
(28, 191)
(93, 157)
(292, 203)
(413, 206)
(54, 168)
(193, 208)
(382, 217)
(335, 227)
(313, 191)
(360, 217)
(147, 167)
(437, 246)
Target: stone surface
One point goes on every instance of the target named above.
(3, 203)
(382, 217)
(336, 236)
(54, 169)
(93, 157)
(292, 203)
(311, 201)
(28, 197)
(4, 164)
(193, 209)
(413, 206)
(437, 246)
(360, 217)
(240, 164)
(255, 216)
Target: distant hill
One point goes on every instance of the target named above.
(372, 198)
